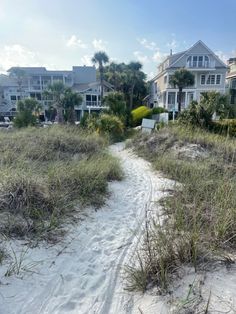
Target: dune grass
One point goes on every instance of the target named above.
(199, 215)
(46, 172)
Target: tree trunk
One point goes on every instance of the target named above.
(131, 97)
(102, 83)
(71, 115)
(180, 98)
(60, 117)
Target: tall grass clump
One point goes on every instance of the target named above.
(46, 172)
(198, 218)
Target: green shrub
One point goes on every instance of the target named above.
(140, 113)
(225, 127)
(158, 110)
(110, 125)
(26, 113)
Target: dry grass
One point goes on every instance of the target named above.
(45, 172)
(200, 216)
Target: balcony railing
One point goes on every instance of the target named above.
(200, 65)
(93, 103)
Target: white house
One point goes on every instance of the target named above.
(35, 80)
(208, 69)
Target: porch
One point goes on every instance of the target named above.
(171, 99)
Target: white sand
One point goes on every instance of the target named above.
(83, 274)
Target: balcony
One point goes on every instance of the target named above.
(200, 65)
(94, 104)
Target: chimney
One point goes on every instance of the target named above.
(170, 52)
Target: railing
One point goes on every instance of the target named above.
(93, 103)
(200, 65)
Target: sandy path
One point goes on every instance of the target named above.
(87, 276)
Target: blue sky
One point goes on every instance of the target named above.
(59, 33)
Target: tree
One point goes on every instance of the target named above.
(101, 59)
(134, 75)
(57, 91)
(181, 79)
(116, 104)
(19, 75)
(27, 111)
(70, 101)
(128, 79)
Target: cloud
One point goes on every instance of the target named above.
(86, 60)
(151, 45)
(222, 55)
(73, 41)
(172, 44)
(99, 44)
(17, 55)
(141, 57)
(159, 56)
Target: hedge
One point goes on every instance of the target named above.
(140, 113)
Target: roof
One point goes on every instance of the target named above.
(231, 75)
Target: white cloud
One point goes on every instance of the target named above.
(141, 57)
(99, 44)
(159, 56)
(172, 44)
(151, 45)
(17, 55)
(222, 55)
(150, 75)
(73, 41)
(86, 60)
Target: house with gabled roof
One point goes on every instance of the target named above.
(209, 72)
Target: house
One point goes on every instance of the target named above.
(208, 69)
(24, 82)
(231, 80)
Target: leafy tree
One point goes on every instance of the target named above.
(128, 79)
(116, 104)
(56, 92)
(181, 79)
(27, 111)
(101, 59)
(69, 102)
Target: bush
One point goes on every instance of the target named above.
(111, 125)
(225, 127)
(139, 114)
(27, 109)
(158, 110)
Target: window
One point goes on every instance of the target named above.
(203, 79)
(13, 97)
(200, 61)
(212, 79)
(218, 79)
(94, 98)
(171, 98)
(88, 97)
(170, 77)
(165, 79)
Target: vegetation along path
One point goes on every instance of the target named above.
(84, 274)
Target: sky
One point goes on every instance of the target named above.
(61, 33)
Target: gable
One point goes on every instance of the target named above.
(198, 49)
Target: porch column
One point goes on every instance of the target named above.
(176, 100)
(166, 103)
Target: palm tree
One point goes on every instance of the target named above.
(134, 75)
(56, 91)
(101, 59)
(70, 101)
(181, 79)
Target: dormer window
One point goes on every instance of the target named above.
(198, 62)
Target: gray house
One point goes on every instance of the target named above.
(208, 69)
(33, 81)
